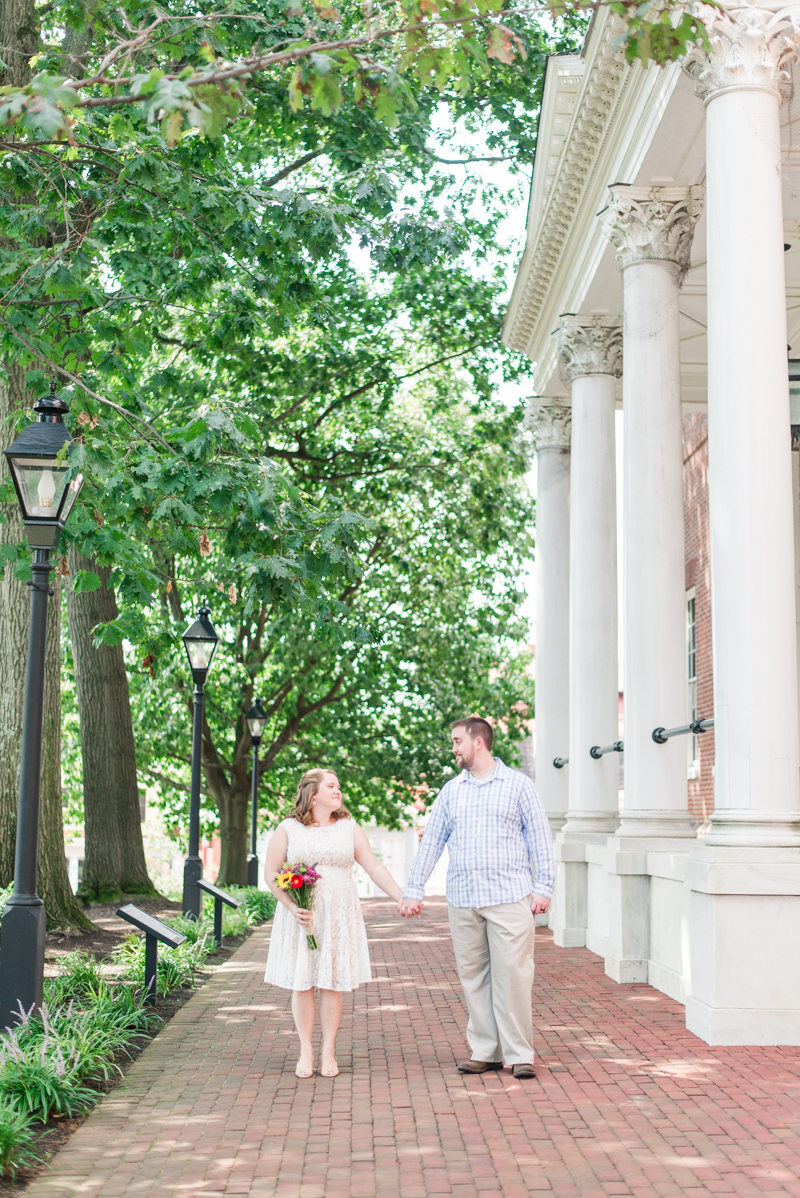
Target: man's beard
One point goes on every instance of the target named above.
(465, 760)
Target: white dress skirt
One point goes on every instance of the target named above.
(342, 960)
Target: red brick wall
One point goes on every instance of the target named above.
(698, 575)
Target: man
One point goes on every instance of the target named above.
(493, 823)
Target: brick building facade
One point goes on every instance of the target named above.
(700, 685)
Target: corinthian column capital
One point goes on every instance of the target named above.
(653, 223)
(589, 345)
(550, 423)
(751, 46)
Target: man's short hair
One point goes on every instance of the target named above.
(476, 726)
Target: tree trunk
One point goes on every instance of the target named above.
(19, 41)
(233, 804)
(114, 863)
(63, 910)
(234, 828)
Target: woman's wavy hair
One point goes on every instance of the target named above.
(307, 787)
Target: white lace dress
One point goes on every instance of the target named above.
(342, 960)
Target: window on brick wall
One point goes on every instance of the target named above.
(692, 748)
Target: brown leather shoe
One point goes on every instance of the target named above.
(479, 1066)
(523, 1071)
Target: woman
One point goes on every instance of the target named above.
(321, 833)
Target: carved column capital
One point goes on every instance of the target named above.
(653, 223)
(589, 345)
(550, 422)
(751, 46)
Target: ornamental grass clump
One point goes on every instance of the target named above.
(43, 1076)
(176, 966)
(257, 907)
(260, 903)
(16, 1139)
(79, 976)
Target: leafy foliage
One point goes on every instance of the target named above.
(281, 346)
(195, 71)
(80, 976)
(16, 1139)
(661, 31)
(177, 967)
(260, 904)
(43, 1077)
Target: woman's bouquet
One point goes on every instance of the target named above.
(298, 880)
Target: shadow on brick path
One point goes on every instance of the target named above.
(626, 1101)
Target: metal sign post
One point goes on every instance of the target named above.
(154, 930)
(219, 897)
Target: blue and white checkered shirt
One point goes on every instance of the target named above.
(493, 830)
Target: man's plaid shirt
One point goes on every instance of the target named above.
(493, 829)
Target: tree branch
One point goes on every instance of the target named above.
(295, 166)
(132, 419)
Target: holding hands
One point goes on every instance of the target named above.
(409, 907)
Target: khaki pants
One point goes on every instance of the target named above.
(494, 955)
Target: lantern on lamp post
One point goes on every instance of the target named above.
(256, 722)
(201, 642)
(47, 485)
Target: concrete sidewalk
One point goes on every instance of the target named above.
(626, 1101)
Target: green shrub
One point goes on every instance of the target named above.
(39, 1078)
(79, 976)
(50, 1060)
(260, 903)
(16, 1139)
(192, 929)
(176, 966)
(95, 1035)
(236, 920)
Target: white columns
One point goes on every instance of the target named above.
(590, 352)
(550, 425)
(652, 228)
(744, 81)
(591, 358)
(744, 881)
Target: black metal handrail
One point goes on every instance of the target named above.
(597, 751)
(662, 735)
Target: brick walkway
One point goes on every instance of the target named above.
(626, 1101)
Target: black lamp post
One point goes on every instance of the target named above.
(47, 487)
(201, 643)
(256, 719)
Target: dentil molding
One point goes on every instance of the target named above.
(550, 424)
(653, 223)
(751, 46)
(589, 345)
(600, 92)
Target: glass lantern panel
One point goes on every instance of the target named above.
(72, 492)
(42, 485)
(200, 653)
(256, 726)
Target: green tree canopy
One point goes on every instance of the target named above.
(282, 349)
